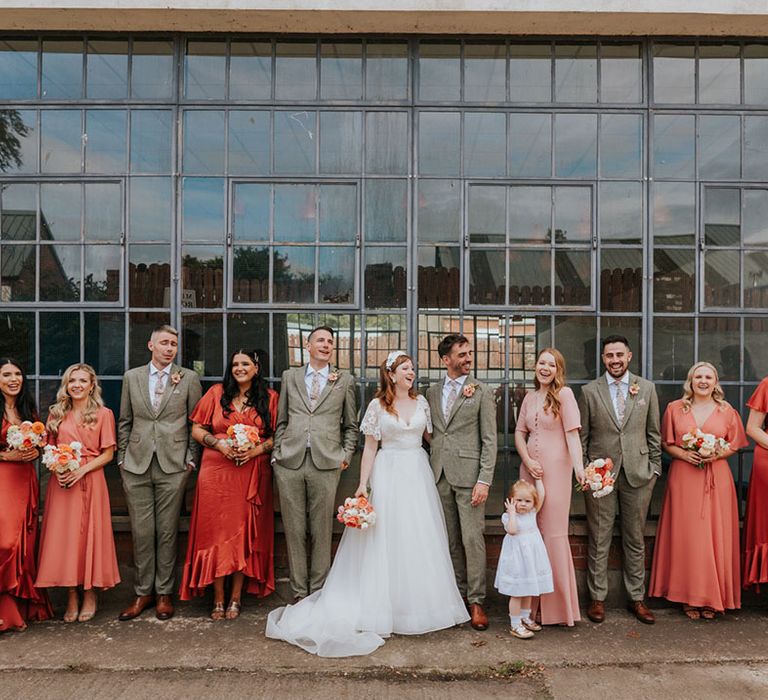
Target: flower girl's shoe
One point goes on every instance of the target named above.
(520, 632)
(531, 625)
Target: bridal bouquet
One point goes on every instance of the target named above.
(243, 437)
(25, 435)
(598, 478)
(62, 458)
(705, 444)
(356, 512)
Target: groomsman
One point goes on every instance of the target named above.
(155, 453)
(315, 439)
(620, 420)
(463, 457)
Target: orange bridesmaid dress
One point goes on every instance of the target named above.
(77, 547)
(20, 601)
(755, 570)
(696, 556)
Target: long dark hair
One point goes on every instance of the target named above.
(25, 404)
(256, 397)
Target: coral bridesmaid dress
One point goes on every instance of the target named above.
(755, 569)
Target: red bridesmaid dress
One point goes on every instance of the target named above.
(755, 570)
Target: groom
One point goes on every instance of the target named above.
(620, 420)
(463, 457)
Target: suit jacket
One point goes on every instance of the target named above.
(331, 425)
(464, 446)
(635, 444)
(141, 432)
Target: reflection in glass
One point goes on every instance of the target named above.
(386, 143)
(152, 69)
(341, 70)
(338, 213)
(575, 145)
(105, 342)
(439, 143)
(487, 214)
(18, 338)
(386, 207)
(620, 73)
(385, 277)
(295, 138)
(621, 212)
(103, 212)
(674, 280)
(721, 278)
(386, 71)
(756, 74)
(755, 357)
(295, 212)
(439, 72)
(485, 72)
(439, 281)
(102, 272)
(250, 70)
(149, 275)
(204, 141)
(530, 145)
(719, 150)
(621, 279)
(107, 69)
(201, 337)
(573, 277)
(719, 344)
(755, 217)
(576, 337)
(140, 327)
(756, 279)
(573, 214)
(530, 277)
(341, 142)
(204, 70)
(203, 208)
(151, 140)
(755, 148)
(61, 140)
(530, 214)
(719, 79)
(60, 273)
(432, 328)
(60, 209)
(530, 72)
(248, 331)
(439, 211)
(294, 274)
(631, 328)
(250, 269)
(20, 155)
(296, 70)
(202, 277)
(249, 142)
(487, 276)
(105, 140)
(672, 347)
(722, 216)
(673, 145)
(17, 272)
(621, 145)
(575, 73)
(18, 212)
(673, 73)
(485, 144)
(674, 212)
(18, 69)
(150, 209)
(62, 69)
(336, 275)
(250, 212)
(59, 341)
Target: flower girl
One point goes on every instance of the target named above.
(524, 570)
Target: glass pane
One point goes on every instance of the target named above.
(485, 144)
(202, 275)
(18, 69)
(485, 73)
(102, 272)
(487, 214)
(439, 143)
(530, 275)
(296, 70)
(722, 216)
(672, 347)
(151, 140)
(103, 213)
(755, 357)
(249, 142)
(203, 208)
(530, 145)
(296, 281)
(59, 341)
(386, 143)
(385, 277)
(756, 74)
(150, 209)
(341, 142)
(576, 336)
(105, 342)
(295, 213)
(60, 210)
(573, 277)
(61, 140)
(295, 142)
(575, 145)
(621, 212)
(62, 69)
(386, 71)
(487, 276)
(338, 213)
(439, 72)
(19, 147)
(201, 336)
(530, 214)
(386, 207)
(621, 145)
(755, 148)
(60, 273)
(721, 278)
(250, 212)
(719, 344)
(204, 70)
(204, 142)
(249, 331)
(674, 212)
(674, 280)
(18, 338)
(575, 73)
(152, 69)
(719, 74)
(336, 275)
(530, 72)
(105, 141)
(673, 145)
(755, 217)
(149, 275)
(573, 214)
(140, 327)
(621, 71)
(341, 71)
(107, 69)
(621, 280)
(719, 147)
(250, 269)
(250, 70)
(756, 279)
(17, 273)
(439, 277)
(18, 212)
(674, 69)
(439, 211)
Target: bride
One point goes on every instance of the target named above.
(396, 576)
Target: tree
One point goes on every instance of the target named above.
(12, 128)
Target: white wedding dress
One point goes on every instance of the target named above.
(394, 577)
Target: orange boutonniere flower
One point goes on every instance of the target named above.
(333, 376)
(469, 390)
(176, 378)
(634, 388)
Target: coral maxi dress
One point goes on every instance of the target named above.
(696, 557)
(232, 526)
(20, 601)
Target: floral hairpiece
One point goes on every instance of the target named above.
(391, 358)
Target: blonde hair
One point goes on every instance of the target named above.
(718, 395)
(529, 488)
(165, 328)
(386, 390)
(59, 410)
(552, 399)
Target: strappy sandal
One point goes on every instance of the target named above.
(71, 615)
(691, 613)
(86, 616)
(708, 613)
(233, 610)
(218, 611)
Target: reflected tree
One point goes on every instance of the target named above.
(12, 128)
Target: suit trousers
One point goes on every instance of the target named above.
(154, 503)
(307, 503)
(632, 503)
(466, 539)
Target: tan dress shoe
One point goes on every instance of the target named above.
(140, 604)
(641, 611)
(596, 611)
(164, 607)
(479, 620)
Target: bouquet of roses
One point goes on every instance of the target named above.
(62, 458)
(356, 512)
(705, 444)
(243, 437)
(27, 434)
(598, 478)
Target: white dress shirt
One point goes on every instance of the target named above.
(309, 374)
(154, 372)
(623, 388)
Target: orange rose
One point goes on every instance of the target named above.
(38, 428)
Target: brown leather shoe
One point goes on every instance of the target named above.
(164, 608)
(596, 611)
(140, 604)
(479, 619)
(641, 611)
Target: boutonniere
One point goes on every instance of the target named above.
(333, 376)
(469, 390)
(176, 378)
(634, 388)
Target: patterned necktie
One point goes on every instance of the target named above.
(157, 395)
(314, 390)
(621, 402)
(452, 395)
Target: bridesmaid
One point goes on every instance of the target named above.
(232, 527)
(77, 547)
(547, 440)
(696, 557)
(20, 601)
